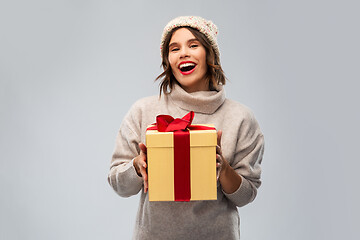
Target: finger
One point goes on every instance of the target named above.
(146, 186)
(218, 150)
(218, 170)
(143, 148)
(143, 169)
(143, 173)
(219, 158)
(141, 162)
(145, 178)
(219, 134)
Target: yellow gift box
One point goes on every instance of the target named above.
(160, 161)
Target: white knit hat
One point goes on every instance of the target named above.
(207, 27)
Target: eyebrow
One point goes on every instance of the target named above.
(190, 40)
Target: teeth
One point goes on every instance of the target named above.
(186, 65)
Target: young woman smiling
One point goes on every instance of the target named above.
(192, 81)
(187, 58)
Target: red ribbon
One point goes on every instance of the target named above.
(180, 127)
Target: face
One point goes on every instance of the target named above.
(187, 57)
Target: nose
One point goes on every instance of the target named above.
(184, 52)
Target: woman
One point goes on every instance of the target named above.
(192, 81)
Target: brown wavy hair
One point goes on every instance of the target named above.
(215, 75)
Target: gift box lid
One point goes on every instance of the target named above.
(198, 138)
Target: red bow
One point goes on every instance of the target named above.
(166, 123)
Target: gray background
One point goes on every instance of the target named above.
(70, 70)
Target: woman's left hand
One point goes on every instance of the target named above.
(221, 163)
(228, 178)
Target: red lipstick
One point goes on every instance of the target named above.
(189, 71)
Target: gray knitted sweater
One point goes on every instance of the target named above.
(242, 146)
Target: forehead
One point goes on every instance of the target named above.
(181, 35)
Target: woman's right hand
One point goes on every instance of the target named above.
(141, 165)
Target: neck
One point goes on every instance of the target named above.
(204, 86)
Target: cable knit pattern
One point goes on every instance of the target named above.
(242, 145)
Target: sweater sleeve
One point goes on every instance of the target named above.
(247, 160)
(122, 176)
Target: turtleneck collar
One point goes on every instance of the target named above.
(206, 102)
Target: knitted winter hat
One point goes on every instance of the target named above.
(207, 27)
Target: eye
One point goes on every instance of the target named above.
(174, 49)
(194, 45)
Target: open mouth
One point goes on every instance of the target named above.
(187, 67)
